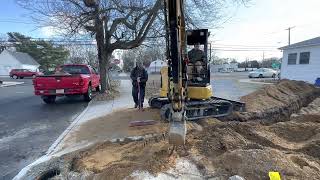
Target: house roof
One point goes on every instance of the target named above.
(310, 42)
(24, 58)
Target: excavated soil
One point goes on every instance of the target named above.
(290, 145)
(277, 102)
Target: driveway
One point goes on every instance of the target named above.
(28, 126)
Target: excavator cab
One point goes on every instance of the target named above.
(198, 69)
(197, 57)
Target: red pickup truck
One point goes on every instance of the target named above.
(73, 79)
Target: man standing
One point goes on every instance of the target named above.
(139, 78)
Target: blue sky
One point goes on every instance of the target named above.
(14, 19)
(262, 23)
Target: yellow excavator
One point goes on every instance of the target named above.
(186, 92)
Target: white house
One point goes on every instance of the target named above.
(301, 61)
(155, 66)
(16, 60)
(232, 67)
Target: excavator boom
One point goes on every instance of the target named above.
(176, 54)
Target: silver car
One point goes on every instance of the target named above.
(263, 72)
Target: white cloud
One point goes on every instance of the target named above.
(48, 31)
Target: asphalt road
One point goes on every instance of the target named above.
(28, 126)
(227, 85)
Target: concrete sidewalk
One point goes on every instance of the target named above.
(94, 110)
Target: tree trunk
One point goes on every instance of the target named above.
(102, 52)
(103, 72)
(104, 59)
(108, 58)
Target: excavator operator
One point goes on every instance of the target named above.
(196, 61)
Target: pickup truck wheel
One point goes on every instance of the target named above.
(15, 77)
(88, 95)
(49, 99)
(98, 88)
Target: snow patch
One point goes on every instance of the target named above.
(184, 169)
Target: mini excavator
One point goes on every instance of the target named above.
(183, 98)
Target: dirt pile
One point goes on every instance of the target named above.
(312, 109)
(119, 160)
(278, 101)
(252, 149)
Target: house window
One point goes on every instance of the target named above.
(292, 58)
(304, 57)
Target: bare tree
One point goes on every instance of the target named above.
(3, 42)
(116, 24)
(82, 54)
(145, 54)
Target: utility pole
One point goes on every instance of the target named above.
(289, 29)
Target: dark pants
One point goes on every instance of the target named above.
(135, 92)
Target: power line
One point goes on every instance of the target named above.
(234, 45)
(16, 22)
(245, 50)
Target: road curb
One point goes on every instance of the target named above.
(68, 129)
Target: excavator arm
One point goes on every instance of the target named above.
(177, 53)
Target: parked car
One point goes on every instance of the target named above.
(263, 73)
(22, 73)
(224, 71)
(73, 79)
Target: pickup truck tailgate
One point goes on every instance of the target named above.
(57, 82)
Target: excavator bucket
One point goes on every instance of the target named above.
(177, 133)
(177, 129)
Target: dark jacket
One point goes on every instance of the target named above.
(196, 55)
(142, 73)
